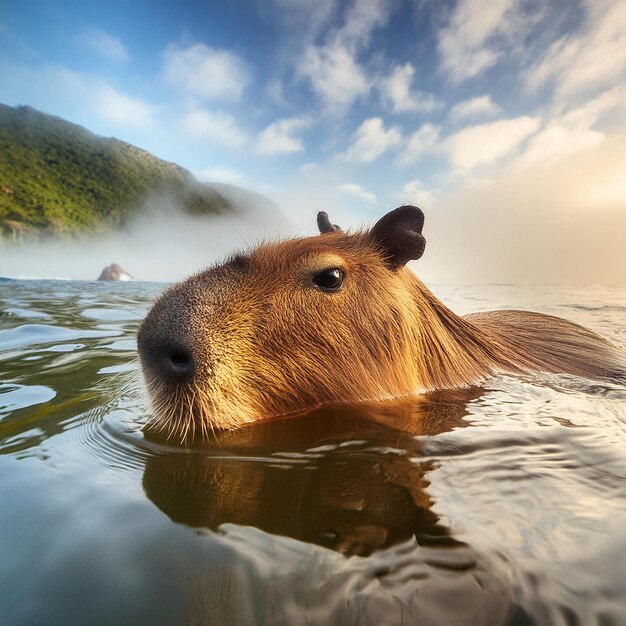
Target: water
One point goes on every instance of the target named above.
(500, 504)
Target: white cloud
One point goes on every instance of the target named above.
(414, 192)
(371, 140)
(487, 143)
(473, 39)
(80, 98)
(334, 74)
(594, 58)
(357, 191)
(280, 136)
(215, 127)
(561, 221)
(354, 21)
(564, 197)
(475, 107)
(207, 73)
(421, 142)
(121, 110)
(362, 18)
(397, 90)
(573, 131)
(332, 68)
(557, 139)
(217, 175)
(105, 45)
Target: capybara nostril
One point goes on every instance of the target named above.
(179, 361)
(168, 362)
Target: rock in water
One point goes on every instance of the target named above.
(114, 272)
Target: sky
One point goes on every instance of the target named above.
(504, 120)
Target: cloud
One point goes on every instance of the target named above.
(361, 19)
(218, 128)
(122, 110)
(475, 107)
(307, 20)
(396, 89)
(570, 132)
(78, 97)
(476, 33)
(207, 73)
(335, 76)
(414, 192)
(486, 143)
(421, 142)
(217, 175)
(594, 58)
(357, 191)
(561, 221)
(105, 45)
(371, 140)
(332, 68)
(279, 137)
(553, 214)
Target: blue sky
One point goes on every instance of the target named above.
(491, 115)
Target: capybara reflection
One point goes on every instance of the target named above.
(342, 477)
(335, 318)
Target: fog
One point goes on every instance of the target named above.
(161, 244)
(561, 222)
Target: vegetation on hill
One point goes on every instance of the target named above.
(58, 178)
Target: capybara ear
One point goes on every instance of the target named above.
(323, 223)
(399, 234)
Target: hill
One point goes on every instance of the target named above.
(58, 178)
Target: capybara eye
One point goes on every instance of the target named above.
(329, 280)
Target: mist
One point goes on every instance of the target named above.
(161, 244)
(561, 222)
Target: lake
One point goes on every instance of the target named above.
(500, 504)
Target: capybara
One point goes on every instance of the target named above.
(335, 318)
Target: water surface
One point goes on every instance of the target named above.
(499, 504)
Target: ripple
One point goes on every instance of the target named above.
(27, 313)
(112, 435)
(65, 347)
(119, 369)
(14, 397)
(112, 314)
(40, 334)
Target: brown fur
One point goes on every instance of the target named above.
(367, 505)
(266, 343)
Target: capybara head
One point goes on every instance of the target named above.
(287, 327)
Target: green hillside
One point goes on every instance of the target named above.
(58, 178)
